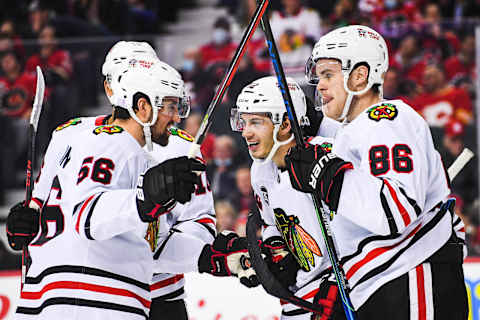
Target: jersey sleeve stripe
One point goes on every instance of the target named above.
(89, 216)
(160, 249)
(84, 205)
(388, 213)
(172, 295)
(412, 202)
(309, 295)
(74, 285)
(166, 282)
(403, 212)
(81, 302)
(205, 220)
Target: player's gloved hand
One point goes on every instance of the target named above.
(280, 260)
(329, 298)
(22, 225)
(312, 169)
(160, 188)
(315, 117)
(226, 256)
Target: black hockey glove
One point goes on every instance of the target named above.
(329, 298)
(162, 186)
(312, 169)
(280, 261)
(226, 256)
(22, 225)
(315, 118)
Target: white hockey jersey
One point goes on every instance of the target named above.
(291, 214)
(196, 218)
(388, 219)
(91, 251)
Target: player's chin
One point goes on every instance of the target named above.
(161, 139)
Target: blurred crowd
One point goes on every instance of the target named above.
(432, 67)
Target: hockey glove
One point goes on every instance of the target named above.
(280, 261)
(22, 225)
(329, 298)
(312, 169)
(226, 256)
(162, 186)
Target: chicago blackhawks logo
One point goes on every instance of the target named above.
(299, 242)
(110, 129)
(182, 134)
(326, 146)
(152, 235)
(384, 111)
(69, 123)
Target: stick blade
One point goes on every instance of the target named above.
(38, 101)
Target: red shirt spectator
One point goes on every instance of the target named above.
(221, 49)
(462, 64)
(17, 87)
(440, 101)
(50, 57)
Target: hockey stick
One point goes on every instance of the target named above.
(459, 163)
(227, 79)
(32, 134)
(324, 217)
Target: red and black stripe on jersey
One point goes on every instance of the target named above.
(84, 286)
(79, 210)
(413, 237)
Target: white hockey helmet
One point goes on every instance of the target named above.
(351, 46)
(120, 55)
(157, 82)
(263, 96)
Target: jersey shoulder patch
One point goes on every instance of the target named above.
(109, 129)
(71, 122)
(386, 111)
(181, 133)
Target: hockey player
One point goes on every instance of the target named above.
(112, 172)
(292, 239)
(385, 185)
(23, 222)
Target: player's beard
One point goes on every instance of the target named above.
(162, 139)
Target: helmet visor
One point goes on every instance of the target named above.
(173, 105)
(238, 123)
(310, 72)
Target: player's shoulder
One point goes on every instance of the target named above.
(262, 173)
(179, 144)
(80, 123)
(324, 142)
(387, 114)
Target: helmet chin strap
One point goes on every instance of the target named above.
(147, 126)
(276, 144)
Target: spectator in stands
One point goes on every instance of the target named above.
(144, 20)
(57, 68)
(17, 89)
(465, 183)
(242, 199)
(226, 215)
(343, 14)
(463, 63)
(221, 170)
(220, 50)
(297, 28)
(192, 124)
(408, 59)
(199, 83)
(9, 33)
(246, 74)
(440, 101)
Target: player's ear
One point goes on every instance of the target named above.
(144, 112)
(285, 129)
(108, 89)
(359, 78)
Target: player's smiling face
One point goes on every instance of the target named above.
(167, 117)
(330, 86)
(258, 134)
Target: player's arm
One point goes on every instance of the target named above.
(106, 213)
(197, 217)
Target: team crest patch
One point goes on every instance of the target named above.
(181, 133)
(152, 235)
(110, 129)
(71, 122)
(300, 243)
(326, 146)
(384, 111)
